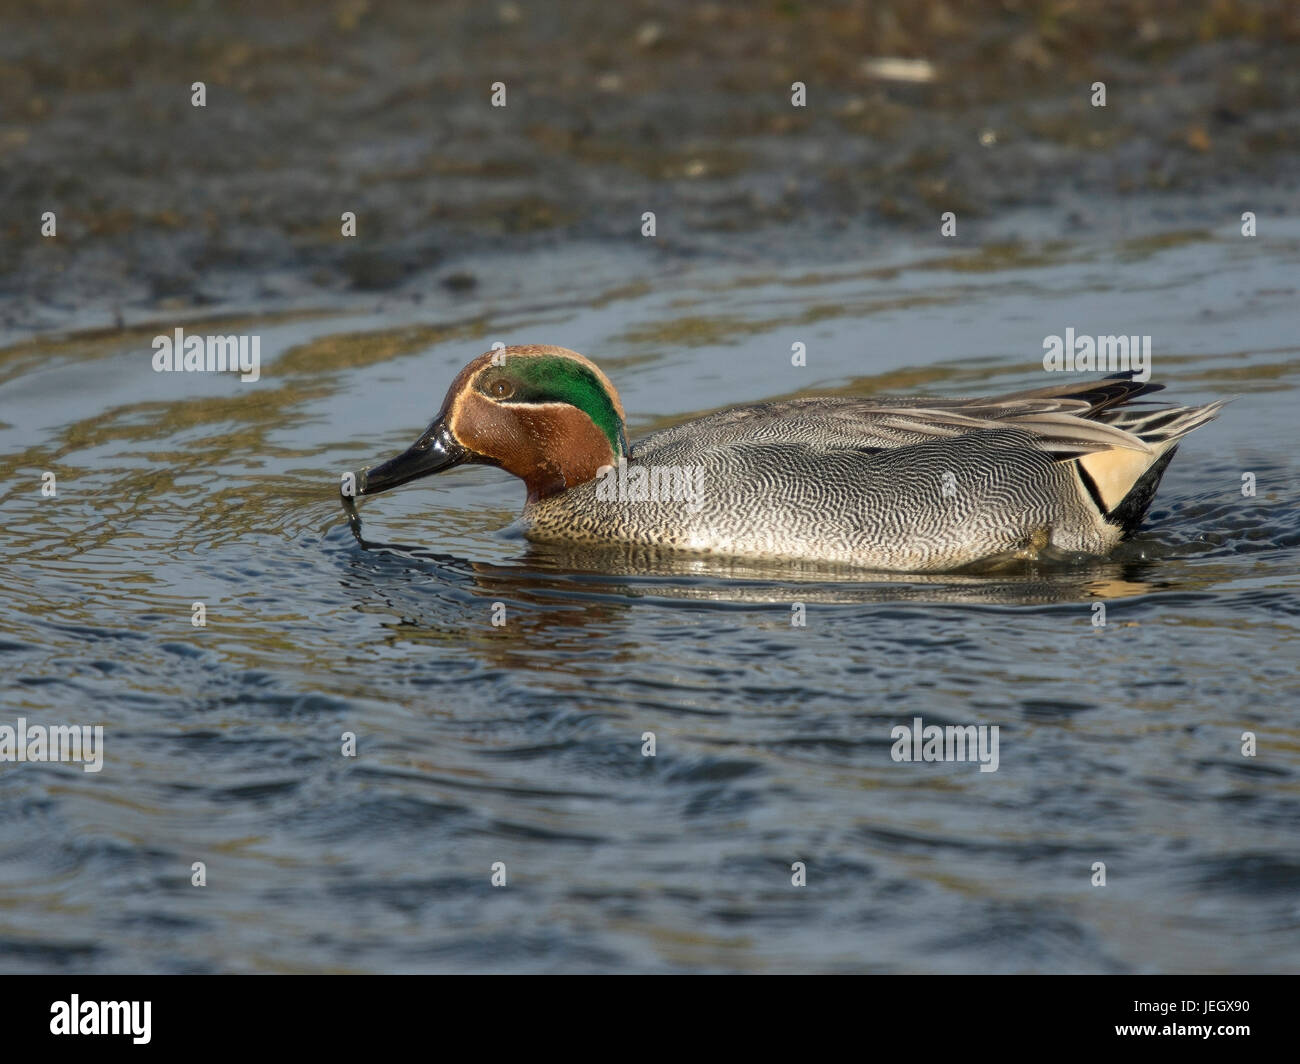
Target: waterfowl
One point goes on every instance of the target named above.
(902, 484)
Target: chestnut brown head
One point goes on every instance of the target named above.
(546, 414)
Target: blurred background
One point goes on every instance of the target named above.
(314, 108)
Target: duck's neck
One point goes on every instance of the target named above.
(570, 450)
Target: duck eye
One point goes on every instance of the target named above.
(501, 389)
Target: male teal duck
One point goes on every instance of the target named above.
(902, 484)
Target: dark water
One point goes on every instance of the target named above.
(521, 743)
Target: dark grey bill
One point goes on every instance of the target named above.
(433, 452)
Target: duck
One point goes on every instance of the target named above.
(897, 484)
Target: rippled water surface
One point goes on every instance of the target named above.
(522, 743)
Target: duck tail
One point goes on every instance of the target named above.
(1122, 483)
(1164, 425)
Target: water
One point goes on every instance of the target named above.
(522, 743)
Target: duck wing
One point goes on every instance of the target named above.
(1058, 425)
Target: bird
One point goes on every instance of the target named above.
(897, 484)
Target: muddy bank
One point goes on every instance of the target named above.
(611, 111)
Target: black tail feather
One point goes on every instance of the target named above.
(1133, 507)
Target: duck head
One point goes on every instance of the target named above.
(546, 414)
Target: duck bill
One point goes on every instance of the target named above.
(436, 450)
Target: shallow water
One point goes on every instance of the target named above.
(521, 743)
